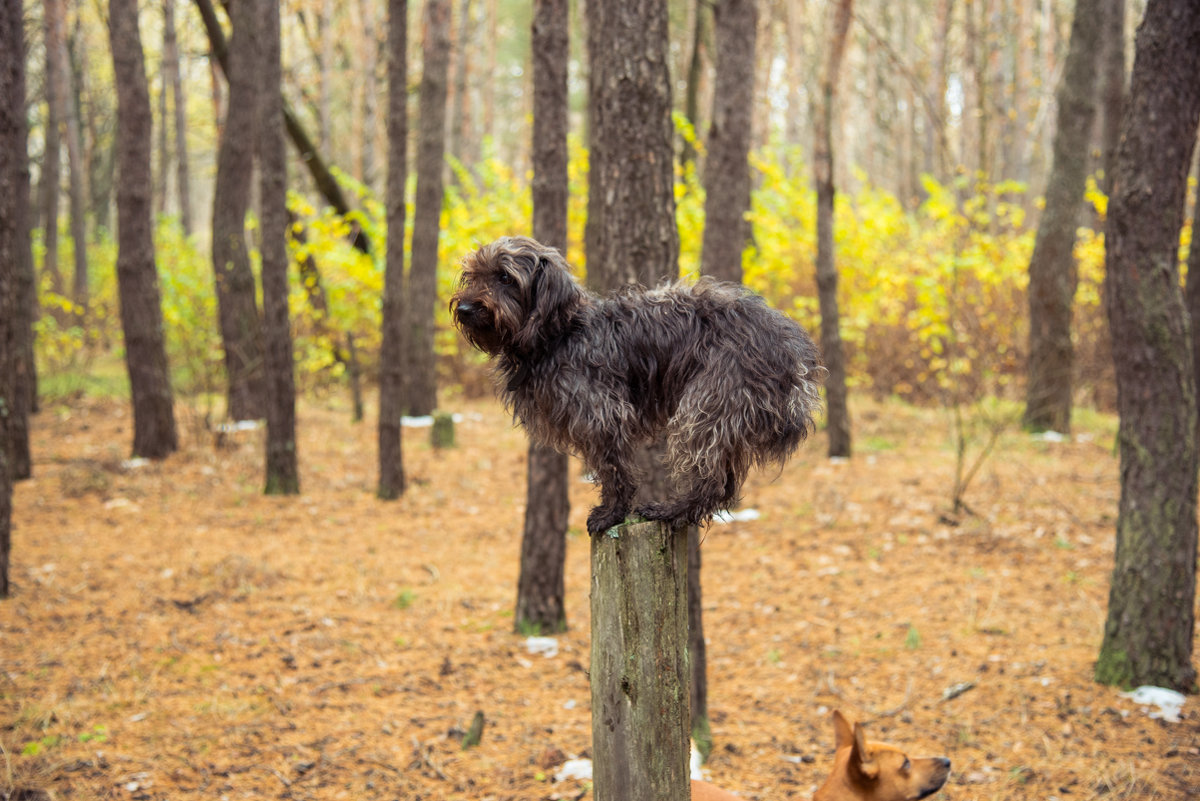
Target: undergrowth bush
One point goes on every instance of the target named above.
(932, 301)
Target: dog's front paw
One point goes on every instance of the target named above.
(602, 518)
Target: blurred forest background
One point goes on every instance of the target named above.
(943, 126)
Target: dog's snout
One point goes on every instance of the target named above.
(465, 307)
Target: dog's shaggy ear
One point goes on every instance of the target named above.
(552, 300)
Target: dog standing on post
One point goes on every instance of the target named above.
(726, 379)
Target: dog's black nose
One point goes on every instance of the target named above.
(465, 307)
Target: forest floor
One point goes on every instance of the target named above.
(175, 634)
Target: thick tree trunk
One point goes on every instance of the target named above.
(282, 471)
(1148, 636)
(154, 434)
(639, 671)
(727, 169)
(1052, 272)
(544, 542)
(174, 80)
(241, 327)
(391, 361)
(639, 668)
(420, 378)
(16, 259)
(837, 416)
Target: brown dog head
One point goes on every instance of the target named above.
(515, 295)
(865, 771)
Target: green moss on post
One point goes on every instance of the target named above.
(639, 666)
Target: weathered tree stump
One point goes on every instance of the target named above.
(639, 665)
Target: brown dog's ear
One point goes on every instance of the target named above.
(862, 761)
(843, 732)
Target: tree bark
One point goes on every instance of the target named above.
(639, 664)
(16, 259)
(837, 415)
(391, 364)
(695, 75)
(420, 375)
(1052, 272)
(174, 80)
(282, 471)
(540, 588)
(75, 175)
(154, 434)
(639, 608)
(50, 181)
(1112, 87)
(1149, 629)
(241, 326)
(370, 94)
(727, 169)
(631, 235)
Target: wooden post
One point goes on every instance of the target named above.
(639, 670)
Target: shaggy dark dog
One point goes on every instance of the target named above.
(726, 380)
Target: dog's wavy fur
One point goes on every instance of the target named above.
(727, 380)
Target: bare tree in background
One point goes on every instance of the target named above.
(241, 327)
(50, 180)
(154, 434)
(173, 79)
(283, 474)
(727, 168)
(540, 587)
(1149, 632)
(420, 374)
(1052, 272)
(837, 415)
(391, 361)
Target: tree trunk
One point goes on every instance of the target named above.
(547, 505)
(325, 81)
(321, 175)
(391, 362)
(420, 375)
(1149, 630)
(174, 80)
(50, 181)
(1112, 86)
(727, 169)
(370, 94)
(75, 174)
(137, 276)
(459, 133)
(837, 415)
(631, 235)
(1052, 272)
(241, 328)
(16, 259)
(639, 664)
(639, 580)
(699, 725)
(695, 75)
(283, 475)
